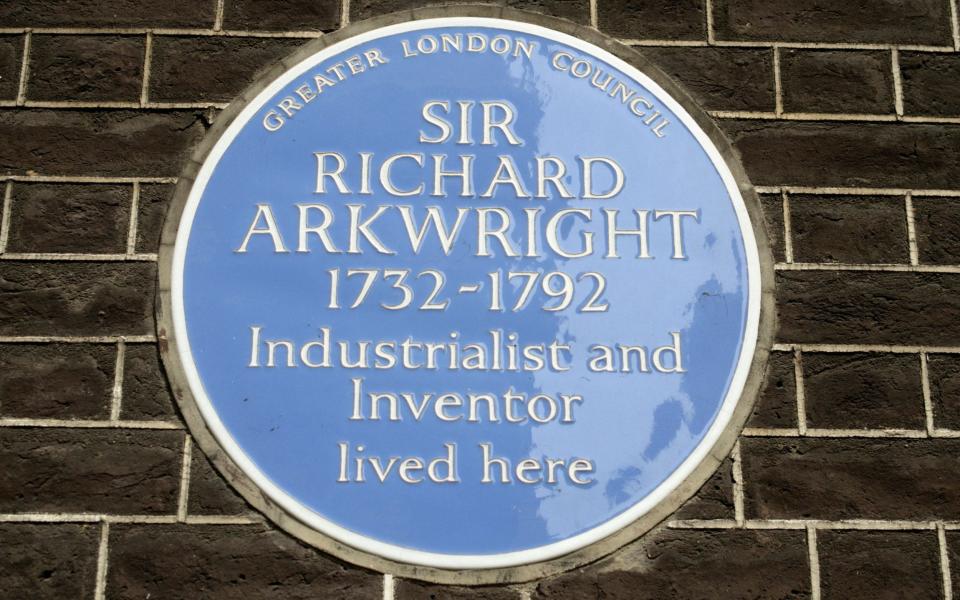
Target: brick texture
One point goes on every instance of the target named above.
(69, 218)
(48, 561)
(694, 564)
(851, 230)
(721, 78)
(844, 154)
(76, 298)
(657, 19)
(930, 83)
(86, 67)
(11, 58)
(57, 470)
(56, 380)
(146, 395)
(850, 478)
(864, 21)
(868, 308)
(251, 562)
(879, 564)
(777, 404)
(863, 391)
(836, 81)
(860, 95)
(107, 13)
(938, 232)
(188, 69)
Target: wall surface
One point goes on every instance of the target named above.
(846, 483)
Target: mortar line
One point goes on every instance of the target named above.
(5, 216)
(911, 229)
(801, 116)
(84, 179)
(134, 216)
(125, 519)
(344, 13)
(801, 396)
(738, 511)
(218, 18)
(955, 25)
(819, 524)
(102, 556)
(145, 85)
(787, 227)
(854, 191)
(777, 82)
(185, 479)
(76, 339)
(54, 256)
(117, 394)
(89, 424)
(904, 268)
(890, 348)
(944, 562)
(897, 83)
(24, 69)
(388, 587)
(113, 104)
(814, 556)
(814, 432)
(595, 14)
(173, 31)
(927, 400)
(708, 9)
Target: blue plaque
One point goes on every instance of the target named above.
(465, 293)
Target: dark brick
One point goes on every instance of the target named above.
(85, 67)
(418, 590)
(226, 561)
(872, 308)
(844, 154)
(773, 220)
(653, 19)
(145, 392)
(69, 218)
(851, 478)
(295, 15)
(58, 381)
(864, 21)
(154, 201)
(721, 78)
(48, 561)
(836, 81)
(879, 565)
(953, 555)
(108, 13)
(194, 69)
(944, 373)
(714, 500)
(11, 57)
(863, 390)
(931, 83)
(93, 470)
(209, 492)
(693, 565)
(76, 298)
(849, 229)
(107, 142)
(573, 10)
(777, 404)
(938, 230)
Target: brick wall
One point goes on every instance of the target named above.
(845, 482)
